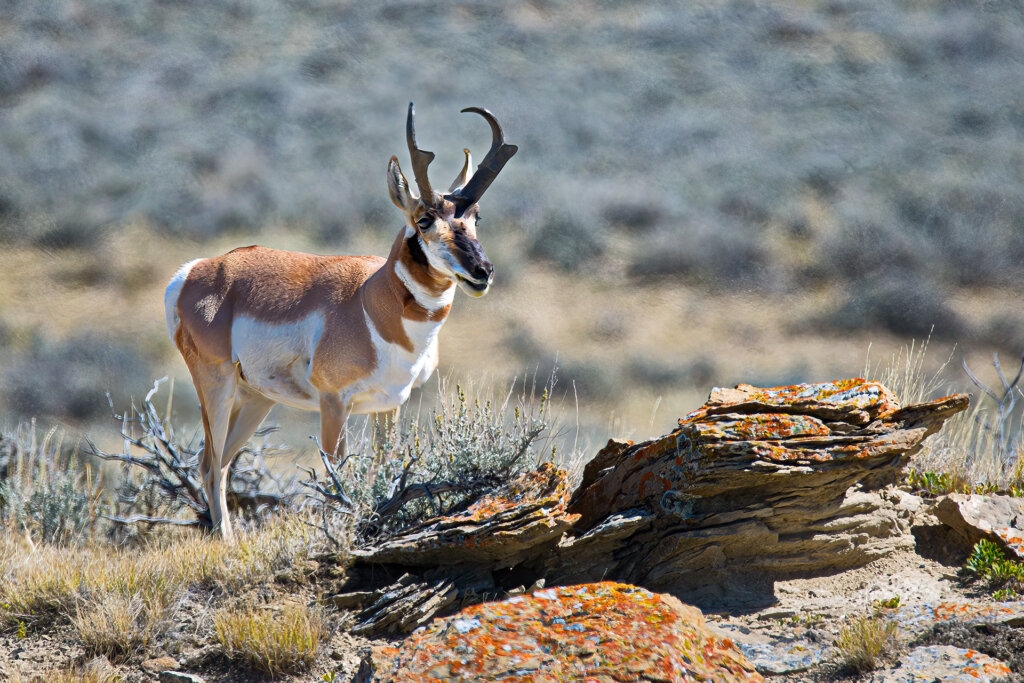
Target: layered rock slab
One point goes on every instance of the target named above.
(755, 484)
(452, 557)
(600, 632)
(501, 529)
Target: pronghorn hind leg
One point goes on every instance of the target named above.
(206, 463)
(216, 385)
(248, 412)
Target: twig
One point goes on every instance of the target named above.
(152, 520)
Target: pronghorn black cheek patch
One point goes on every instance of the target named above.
(416, 251)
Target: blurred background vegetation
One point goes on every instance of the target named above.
(705, 193)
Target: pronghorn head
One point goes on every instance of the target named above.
(442, 227)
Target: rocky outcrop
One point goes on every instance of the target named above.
(756, 484)
(452, 558)
(972, 517)
(601, 632)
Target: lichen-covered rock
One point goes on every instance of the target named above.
(501, 529)
(601, 632)
(944, 663)
(916, 619)
(973, 517)
(757, 483)
(772, 653)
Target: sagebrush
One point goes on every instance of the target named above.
(46, 493)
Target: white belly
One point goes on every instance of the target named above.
(275, 360)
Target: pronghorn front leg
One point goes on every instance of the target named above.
(333, 414)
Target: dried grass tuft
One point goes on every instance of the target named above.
(272, 641)
(865, 642)
(117, 626)
(93, 672)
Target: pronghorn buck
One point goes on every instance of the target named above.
(336, 334)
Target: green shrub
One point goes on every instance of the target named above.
(983, 556)
(44, 492)
(1004, 577)
(466, 447)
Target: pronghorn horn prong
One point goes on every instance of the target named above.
(490, 167)
(463, 177)
(420, 160)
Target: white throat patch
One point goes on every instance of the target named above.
(421, 295)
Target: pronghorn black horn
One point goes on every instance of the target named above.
(420, 160)
(489, 168)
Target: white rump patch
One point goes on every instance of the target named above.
(171, 296)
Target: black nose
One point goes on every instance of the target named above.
(482, 271)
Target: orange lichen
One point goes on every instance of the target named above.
(603, 632)
(547, 486)
(757, 426)
(860, 399)
(941, 662)
(1013, 540)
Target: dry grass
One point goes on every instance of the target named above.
(87, 674)
(272, 641)
(865, 642)
(51, 583)
(965, 455)
(118, 626)
(905, 373)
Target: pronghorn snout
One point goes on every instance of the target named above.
(482, 272)
(478, 279)
(475, 270)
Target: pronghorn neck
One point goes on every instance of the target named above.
(430, 288)
(407, 289)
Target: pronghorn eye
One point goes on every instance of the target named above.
(425, 222)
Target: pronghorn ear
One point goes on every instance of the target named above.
(398, 187)
(463, 177)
